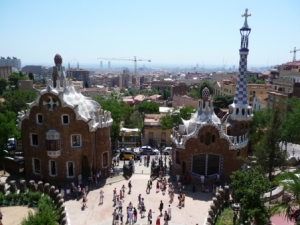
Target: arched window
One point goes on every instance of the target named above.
(213, 138)
(70, 169)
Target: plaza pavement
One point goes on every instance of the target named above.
(194, 212)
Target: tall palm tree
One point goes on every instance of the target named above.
(289, 207)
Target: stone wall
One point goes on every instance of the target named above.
(221, 197)
(44, 189)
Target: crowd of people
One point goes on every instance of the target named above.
(128, 213)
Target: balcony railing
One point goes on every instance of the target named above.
(53, 154)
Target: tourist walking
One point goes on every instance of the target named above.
(150, 216)
(161, 206)
(166, 218)
(157, 186)
(123, 190)
(84, 200)
(121, 217)
(170, 212)
(129, 187)
(157, 221)
(130, 217)
(101, 196)
(135, 214)
(148, 187)
(121, 194)
(114, 214)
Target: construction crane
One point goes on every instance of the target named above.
(294, 51)
(135, 60)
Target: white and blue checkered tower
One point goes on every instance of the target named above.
(240, 109)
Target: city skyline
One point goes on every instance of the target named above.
(167, 33)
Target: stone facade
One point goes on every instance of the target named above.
(65, 135)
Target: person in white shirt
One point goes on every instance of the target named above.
(170, 211)
(130, 215)
(101, 196)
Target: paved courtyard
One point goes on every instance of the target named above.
(194, 212)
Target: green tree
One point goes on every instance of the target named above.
(253, 80)
(135, 120)
(8, 129)
(203, 84)
(30, 76)
(194, 93)
(289, 206)
(46, 213)
(249, 186)
(148, 107)
(290, 132)
(174, 119)
(119, 112)
(222, 102)
(3, 85)
(16, 100)
(265, 138)
(13, 80)
(185, 112)
(166, 122)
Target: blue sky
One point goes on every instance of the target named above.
(168, 32)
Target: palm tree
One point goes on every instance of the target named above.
(289, 207)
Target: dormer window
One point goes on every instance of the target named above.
(39, 119)
(65, 119)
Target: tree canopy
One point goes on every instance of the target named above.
(249, 186)
(16, 100)
(14, 78)
(119, 112)
(290, 132)
(265, 138)
(3, 85)
(174, 118)
(148, 107)
(254, 80)
(222, 102)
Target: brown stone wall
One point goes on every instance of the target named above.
(103, 145)
(219, 147)
(52, 120)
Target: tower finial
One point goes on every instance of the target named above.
(246, 15)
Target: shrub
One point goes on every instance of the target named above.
(46, 214)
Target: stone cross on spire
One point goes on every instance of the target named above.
(246, 15)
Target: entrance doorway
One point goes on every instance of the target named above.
(86, 171)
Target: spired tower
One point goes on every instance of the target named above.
(240, 110)
(58, 72)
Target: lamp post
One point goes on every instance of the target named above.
(236, 207)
